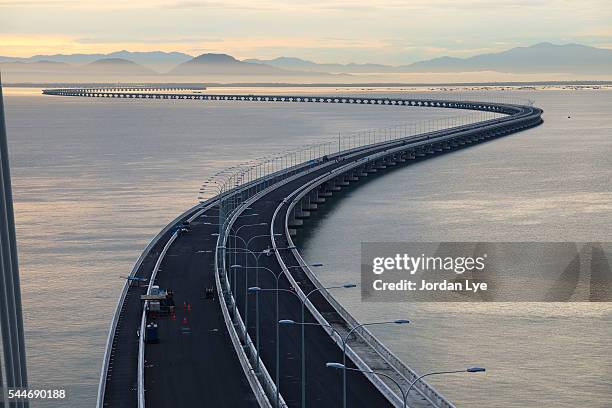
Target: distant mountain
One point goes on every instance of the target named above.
(36, 66)
(12, 59)
(539, 58)
(223, 64)
(545, 58)
(105, 67)
(157, 60)
(152, 58)
(115, 66)
(305, 65)
(68, 58)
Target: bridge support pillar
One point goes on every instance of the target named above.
(380, 166)
(301, 214)
(310, 204)
(332, 186)
(296, 223)
(318, 197)
(341, 181)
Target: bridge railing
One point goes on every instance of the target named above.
(266, 167)
(143, 324)
(406, 373)
(115, 319)
(349, 140)
(265, 387)
(221, 270)
(261, 383)
(508, 95)
(403, 370)
(240, 338)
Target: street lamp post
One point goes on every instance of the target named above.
(466, 370)
(256, 255)
(257, 267)
(220, 223)
(404, 394)
(345, 341)
(257, 294)
(256, 289)
(246, 280)
(303, 326)
(343, 367)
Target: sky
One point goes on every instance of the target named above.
(385, 31)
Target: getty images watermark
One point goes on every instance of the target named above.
(495, 271)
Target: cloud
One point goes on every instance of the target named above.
(139, 4)
(385, 31)
(155, 40)
(228, 5)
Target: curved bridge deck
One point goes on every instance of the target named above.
(180, 371)
(223, 350)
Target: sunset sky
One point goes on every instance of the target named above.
(392, 32)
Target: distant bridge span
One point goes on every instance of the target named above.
(135, 93)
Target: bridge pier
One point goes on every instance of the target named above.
(301, 213)
(295, 222)
(381, 166)
(309, 204)
(317, 197)
(324, 193)
(341, 181)
(331, 186)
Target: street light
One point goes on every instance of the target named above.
(303, 325)
(256, 255)
(345, 341)
(246, 285)
(257, 289)
(343, 367)
(467, 370)
(233, 268)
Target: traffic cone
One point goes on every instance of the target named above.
(184, 305)
(189, 307)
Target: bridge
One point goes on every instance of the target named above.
(235, 273)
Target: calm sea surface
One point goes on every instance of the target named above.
(94, 180)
